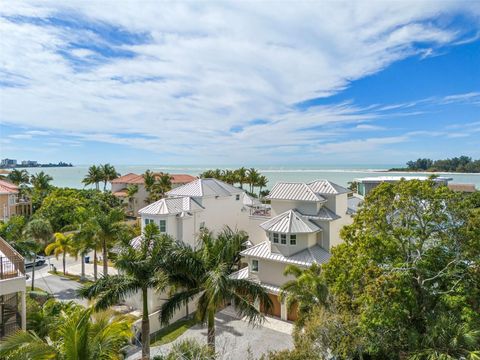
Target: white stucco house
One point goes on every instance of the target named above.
(305, 223)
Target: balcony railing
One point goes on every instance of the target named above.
(12, 263)
(260, 211)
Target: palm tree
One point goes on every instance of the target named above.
(19, 177)
(204, 273)
(140, 267)
(252, 178)
(228, 176)
(149, 180)
(132, 190)
(40, 231)
(162, 184)
(79, 335)
(108, 174)
(64, 245)
(84, 239)
(241, 176)
(261, 183)
(307, 290)
(94, 176)
(41, 181)
(109, 228)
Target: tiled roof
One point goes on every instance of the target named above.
(293, 191)
(290, 221)
(132, 178)
(8, 188)
(327, 187)
(168, 206)
(306, 257)
(462, 187)
(120, 193)
(205, 187)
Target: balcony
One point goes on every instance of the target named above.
(263, 211)
(12, 264)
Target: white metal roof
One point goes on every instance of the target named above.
(251, 201)
(400, 177)
(168, 206)
(327, 187)
(205, 187)
(306, 257)
(293, 191)
(324, 214)
(290, 221)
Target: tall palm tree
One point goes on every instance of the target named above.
(162, 184)
(109, 230)
(19, 177)
(64, 245)
(241, 175)
(40, 231)
(132, 190)
(79, 335)
(149, 180)
(204, 273)
(94, 176)
(228, 176)
(261, 183)
(84, 238)
(252, 178)
(108, 174)
(307, 290)
(41, 181)
(140, 268)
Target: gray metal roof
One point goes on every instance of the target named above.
(327, 187)
(354, 203)
(169, 206)
(205, 187)
(293, 191)
(324, 214)
(306, 257)
(290, 221)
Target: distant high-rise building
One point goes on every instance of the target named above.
(8, 163)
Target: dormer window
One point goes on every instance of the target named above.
(275, 238)
(293, 239)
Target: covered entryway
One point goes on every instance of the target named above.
(276, 309)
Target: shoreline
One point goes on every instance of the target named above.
(431, 172)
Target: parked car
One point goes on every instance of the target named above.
(40, 261)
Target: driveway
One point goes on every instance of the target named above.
(235, 339)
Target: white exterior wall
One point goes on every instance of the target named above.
(13, 285)
(303, 241)
(269, 272)
(305, 207)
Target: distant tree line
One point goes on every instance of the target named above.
(456, 164)
(242, 176)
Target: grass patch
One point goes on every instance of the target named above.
(71, 277)
(171, 332)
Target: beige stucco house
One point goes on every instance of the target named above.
(11, 203)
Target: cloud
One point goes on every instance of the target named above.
(205, 80)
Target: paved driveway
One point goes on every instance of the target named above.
(235, 339)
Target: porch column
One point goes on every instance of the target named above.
(283, 310)
(23, 295)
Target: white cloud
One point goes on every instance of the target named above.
(208, 67)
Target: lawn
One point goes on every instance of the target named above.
(171, 332)
(71, 277)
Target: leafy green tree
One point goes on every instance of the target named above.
(241, 175)
(19, 177)
(108, 174)
(308, 290)
(63, 245)
(40, 232)
(204, 272)
(132, 190)
(109, 230)
(12, 230)
(78, 335)
(41, 181)
(140, 268)
(94, 176)
(409, 258)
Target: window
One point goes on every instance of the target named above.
(237, 197)
(283, 238)
(255, 265)
(148, 221)
(275, 238)
(293, 239)
(163, 226)
(202, 225)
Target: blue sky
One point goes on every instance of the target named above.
(239, 83)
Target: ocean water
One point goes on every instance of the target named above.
(72, 177)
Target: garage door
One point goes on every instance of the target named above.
(276, 309)
(293, 313)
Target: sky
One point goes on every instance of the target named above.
(250, 83)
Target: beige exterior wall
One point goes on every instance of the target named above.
(7, 206)
(269, 272)
(305, 207)
(303, 241)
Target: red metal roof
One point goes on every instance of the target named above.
(8, 187)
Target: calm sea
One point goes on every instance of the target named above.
(72, 177)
